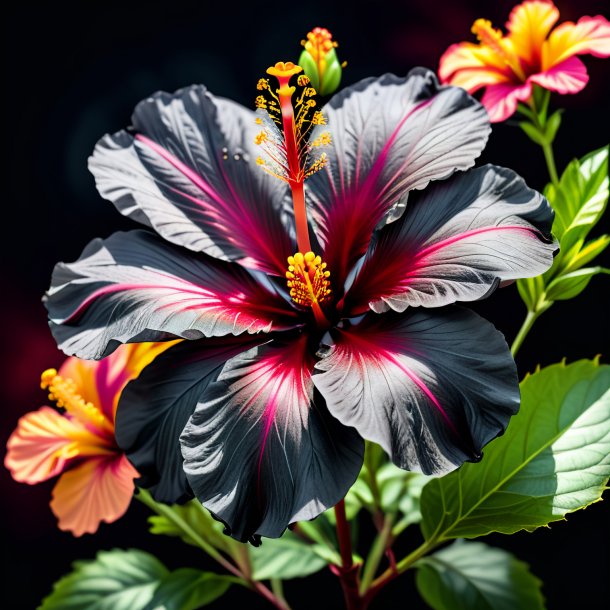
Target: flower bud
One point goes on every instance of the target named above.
(320, 62)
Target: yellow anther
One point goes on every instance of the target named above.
(260, 137)
(63, 392)
(303, 80)
(260, 161)
(317, 165)
(309, 91)
(318, 118)
(323, 139)
(260, 102)
(284, 70)
(258, 120)
(263, 83)
(307, 279)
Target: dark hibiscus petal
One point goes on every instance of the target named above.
(261, 451)
(432, 387)
(190, 173)
(155, 407)
(135, 287)
(457, 241)
(389, 135)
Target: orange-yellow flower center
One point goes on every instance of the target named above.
(500, 46)
(63, 392)
(308, 279)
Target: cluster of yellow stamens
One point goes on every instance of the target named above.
(308, 279)
(502, 47)
(63, 393)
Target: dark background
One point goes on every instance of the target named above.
(73, 74)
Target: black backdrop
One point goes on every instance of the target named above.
(73, 74)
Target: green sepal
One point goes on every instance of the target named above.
(310, 69)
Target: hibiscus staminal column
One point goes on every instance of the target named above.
(288, 152)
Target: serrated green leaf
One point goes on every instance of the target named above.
(569, 285)
(114, 580)
(553, 459)
(197, 518)
(286, 557)
(188, 589)
(474, 576)
(532, 133)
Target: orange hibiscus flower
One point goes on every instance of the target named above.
(509, 65)
(77, 440)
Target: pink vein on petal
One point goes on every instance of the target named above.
(456, 238)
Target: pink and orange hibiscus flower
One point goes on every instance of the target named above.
(77, 441)
(508, 66)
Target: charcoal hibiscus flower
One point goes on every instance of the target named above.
(508, 66)
(279, 245)
(76, 440)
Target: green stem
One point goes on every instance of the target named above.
(277, 586)
(402, 566)
(167, 512)
(523, 331)
(380, 545)
(550, 163)
(547, 147)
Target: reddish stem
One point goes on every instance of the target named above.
(348, 572)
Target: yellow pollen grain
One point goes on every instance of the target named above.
(260, 138)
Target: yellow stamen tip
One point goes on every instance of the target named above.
(284, 69)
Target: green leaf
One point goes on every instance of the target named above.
(533, 133)
(552, 125)
(581, 198)
(531, 290)
(569, 285)
(474, 576)
(114, 580)
(188, 589)
(286, 557)
(553, 459)
(197, 518)
(591, 249)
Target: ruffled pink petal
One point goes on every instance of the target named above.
(44, 443)
(99, 489)
(501, 100)
(570, 76)
(590, 35)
